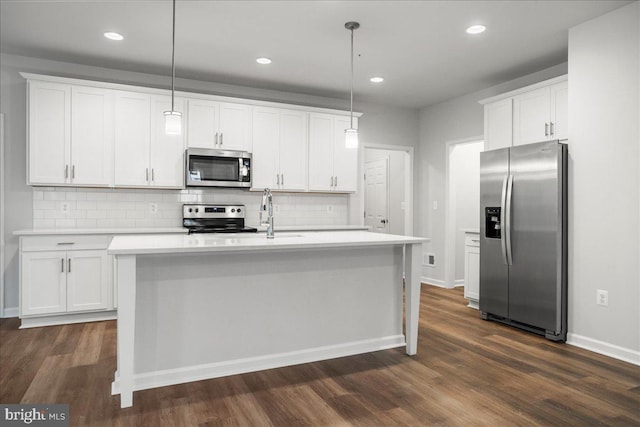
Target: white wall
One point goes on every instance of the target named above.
(604, 150)
(458, 118)
(379, 125)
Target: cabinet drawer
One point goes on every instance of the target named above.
(64, 242)
(472, 240)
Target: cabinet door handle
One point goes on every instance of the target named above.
(66, 171)
(474, 240)
(62, 265)
(336, 182)
(73, 172)
(546, 129)
(221, 138)
(331, 182)
(551, 128)
(69, 265)
(282, 180)
(277, 179)
(65, 243)
(146, 174)
(215, 141)
(153, 174)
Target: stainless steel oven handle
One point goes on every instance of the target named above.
(503, 201)
(508, 220)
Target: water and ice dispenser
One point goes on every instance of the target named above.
(492, 222)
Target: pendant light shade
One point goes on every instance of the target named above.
(173, 118)
(351, 134)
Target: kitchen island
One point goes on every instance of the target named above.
(194, 307)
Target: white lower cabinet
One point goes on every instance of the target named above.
(472, 268)
(64, 274)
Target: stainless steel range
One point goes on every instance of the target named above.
(220, 218)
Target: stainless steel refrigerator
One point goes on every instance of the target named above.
(523, 237)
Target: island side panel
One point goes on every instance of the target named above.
(201, 309)
(126, 282)
(412, 295)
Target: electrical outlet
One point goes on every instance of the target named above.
(429, 259)
(64, 206)
(153, 208)
(602, 298)
(329, 208)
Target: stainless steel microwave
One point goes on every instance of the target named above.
(217, 168)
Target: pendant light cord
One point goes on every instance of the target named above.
(351, 107)
(173, 56)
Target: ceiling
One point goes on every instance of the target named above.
(420, 47)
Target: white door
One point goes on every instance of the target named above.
(166, 151)
(49, 133)
(376, 195)
(133, 135)
(266, 134)
(293, 150)
(87, 280)
(44, 286)
(235, 127)
(202, 124)
(92, 120)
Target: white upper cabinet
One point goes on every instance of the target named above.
(49, 132)
(70, 135)
(498, 124)
(332, 166)
(145, 156)
(166, 157)
(218, 125)
(92, 115)
(279, 149)
(532, 114)
(133, 139)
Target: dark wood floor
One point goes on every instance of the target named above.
(467, 372)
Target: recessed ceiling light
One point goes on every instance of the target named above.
(263, 61)
(476, 29)
(376, 79)
(113, 36)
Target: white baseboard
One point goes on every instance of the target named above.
(433, 282)
(66, 319)
(233, 367)
(458, 283)
(9, 312)
(601, 347)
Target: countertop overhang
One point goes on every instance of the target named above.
(173, 244)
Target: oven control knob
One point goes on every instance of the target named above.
(239, 210)
(233, 210)
(196, 210)
(190, 210)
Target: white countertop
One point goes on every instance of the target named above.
(471, 230)
(174, 243)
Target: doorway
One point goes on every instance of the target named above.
(462, 203)
(388, 188)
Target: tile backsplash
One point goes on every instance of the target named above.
(63, 207)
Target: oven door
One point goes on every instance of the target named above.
(217, 168)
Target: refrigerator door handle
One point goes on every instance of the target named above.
(507, 217)
(503, 200)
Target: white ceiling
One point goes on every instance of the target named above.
(420, 47)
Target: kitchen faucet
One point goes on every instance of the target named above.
(267, 207)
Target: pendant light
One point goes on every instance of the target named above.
(173, 118)
(351, 134)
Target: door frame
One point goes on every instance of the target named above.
(2, 210)
(408, 181)
(449, 221)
